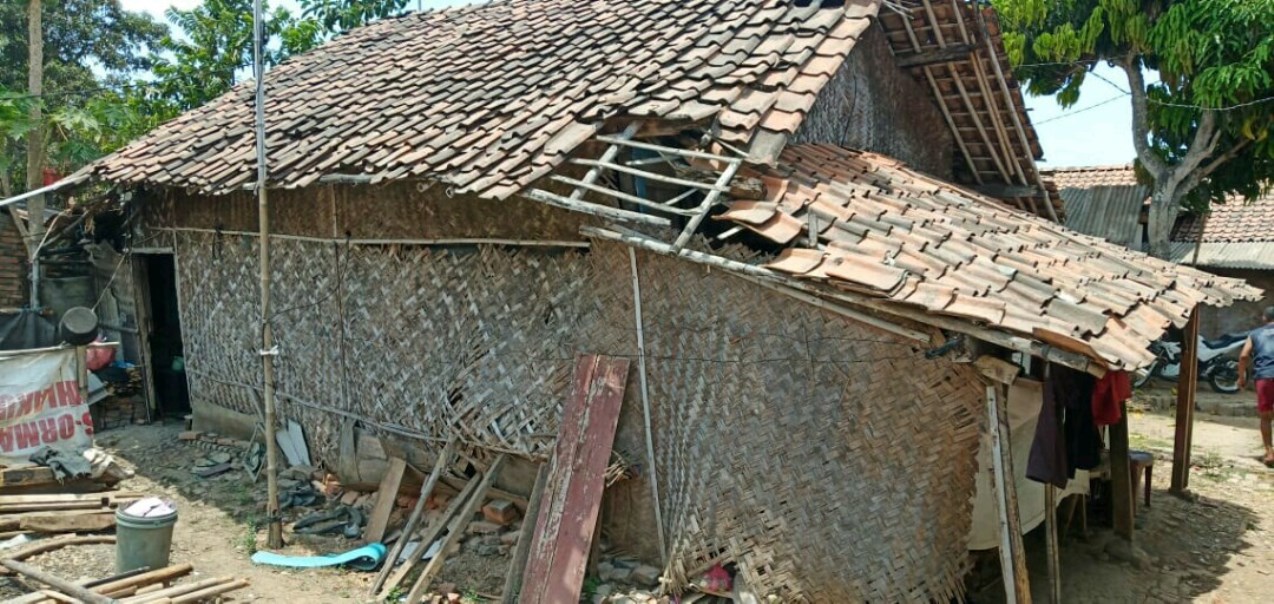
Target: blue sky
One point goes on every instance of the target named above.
(1097, 130)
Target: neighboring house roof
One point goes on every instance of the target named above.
(1087, 177)
(1102, 201)
(1235, 234)
(955, 49)
(493, 96)
(904, 237)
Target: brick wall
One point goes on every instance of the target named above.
(1242, 315)
(13, 264)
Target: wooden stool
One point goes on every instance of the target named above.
(1138, 461)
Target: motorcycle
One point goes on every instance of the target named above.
(1218, 362)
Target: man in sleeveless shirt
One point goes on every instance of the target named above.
(1258, 353)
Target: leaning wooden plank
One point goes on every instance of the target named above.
(68, 523)
(431, 533)
(178, 590)
(58, 597)
(444, 458)
(209, 592)
(455, 531)
(572, 498)
(56, 582)
(168, 573)
(513, 577)
(385, 497)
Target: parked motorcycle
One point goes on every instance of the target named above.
(1218, 362)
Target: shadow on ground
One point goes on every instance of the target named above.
(1187, 547)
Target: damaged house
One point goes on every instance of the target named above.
(785, 213)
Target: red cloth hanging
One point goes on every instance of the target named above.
(1108, 393)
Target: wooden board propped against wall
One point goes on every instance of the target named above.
(567, 520)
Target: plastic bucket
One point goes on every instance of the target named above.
(142, 542)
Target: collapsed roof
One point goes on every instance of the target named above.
(894, 234)
(492, 98)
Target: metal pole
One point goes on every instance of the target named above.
(275, 534)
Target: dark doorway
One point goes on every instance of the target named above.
(166, 355)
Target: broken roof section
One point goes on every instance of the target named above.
(488, 98)
(890, 234)
(955, 49)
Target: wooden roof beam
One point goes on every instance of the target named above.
(955, 52)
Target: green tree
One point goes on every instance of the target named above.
(88, 47)
(335, 16)
(1202, 132)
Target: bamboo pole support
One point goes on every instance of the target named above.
(1017, 583)
(274, 538)
(645, 406)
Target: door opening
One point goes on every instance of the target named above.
(166, 355)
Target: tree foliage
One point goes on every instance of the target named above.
(1202, 131)
(112, 75)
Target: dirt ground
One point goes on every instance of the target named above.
(1218, 548)
(220, 525)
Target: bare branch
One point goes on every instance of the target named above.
(1206, 138)
(1194, 178)
(1141, 120)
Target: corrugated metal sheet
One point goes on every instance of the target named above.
(1257, 255)
(1110, 212)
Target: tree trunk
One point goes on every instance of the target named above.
(35, 139)
(1165, 205)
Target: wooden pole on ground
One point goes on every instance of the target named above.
(1121, 476)
(274, 539)
(513, 579)
(1187, 385)
(1054, 562)
(1017, 583)
(62, 585)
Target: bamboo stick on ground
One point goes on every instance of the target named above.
(178, 590)
(208, 592)
(431, 533)
(456, 530)
(444, 458)
(167, 573)
(59, 583)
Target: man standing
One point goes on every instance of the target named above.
(1258, 352)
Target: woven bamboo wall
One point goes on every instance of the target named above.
(831, 461)
(873, 105)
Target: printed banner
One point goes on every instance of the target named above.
(40, 405)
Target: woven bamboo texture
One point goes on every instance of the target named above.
(830, 461)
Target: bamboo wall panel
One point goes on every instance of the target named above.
(870, 104)
(831, 461)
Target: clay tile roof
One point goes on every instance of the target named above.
(915, 240)
(489, 97)
(1087, 177)
(1235, 221)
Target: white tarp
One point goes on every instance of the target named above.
(1025, 400)
(40, 405)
